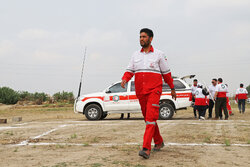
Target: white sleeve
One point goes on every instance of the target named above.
(246, 91)
(163, 64)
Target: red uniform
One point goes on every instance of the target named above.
(229, 106)
(149, 68)
(241, 93)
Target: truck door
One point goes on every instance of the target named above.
(133, 102)
(116, 98)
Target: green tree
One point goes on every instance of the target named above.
(8, 96)
(26, 96)
(64, 96)
(248, 89)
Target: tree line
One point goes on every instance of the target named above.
(10, 96)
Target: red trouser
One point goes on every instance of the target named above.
(229, 106)
(150, 110)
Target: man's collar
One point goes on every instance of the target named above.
(150, 50)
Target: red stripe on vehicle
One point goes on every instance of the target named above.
(179, 95)
(120, 98)
(97, 97)
(132, 97)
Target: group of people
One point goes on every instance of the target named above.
(216, 95)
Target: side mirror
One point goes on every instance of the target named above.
(108, 91)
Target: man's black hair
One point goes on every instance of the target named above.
(220, 80)
(241, 85)
(195, 80)
(147, 31)
(215, 79)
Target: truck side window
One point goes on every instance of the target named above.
(177, 84)
(132, 89)
(117, 88)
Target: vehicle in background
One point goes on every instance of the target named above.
(115, 99)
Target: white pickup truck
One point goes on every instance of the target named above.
(115, 99)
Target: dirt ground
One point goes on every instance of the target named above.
(53, 136)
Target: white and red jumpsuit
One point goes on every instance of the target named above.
(201, 101)
(241, 96)
(149, 68)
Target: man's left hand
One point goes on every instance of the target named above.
(173, 94)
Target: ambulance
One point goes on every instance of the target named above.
(115, 99)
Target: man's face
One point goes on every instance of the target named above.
(195, 83)
(214, 82)
(145, 40)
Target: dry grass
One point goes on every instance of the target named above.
(182, 129)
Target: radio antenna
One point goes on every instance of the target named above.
(83, 62)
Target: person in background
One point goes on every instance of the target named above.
(122, 116)
(201, 101)
(229, 108)
(211, 97)
(220, 99)
(193, 89)
(241, 96)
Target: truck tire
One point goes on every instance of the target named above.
(104, 115)
(166, 111)
(93, 112)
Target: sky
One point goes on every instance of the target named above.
(42, 42)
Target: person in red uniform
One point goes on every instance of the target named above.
(229, 108)
(149, 65)
(220, 97)
(201, 100)
(241, 96)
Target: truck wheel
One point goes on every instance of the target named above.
(93, 112)
(104, 115)
(166, 111)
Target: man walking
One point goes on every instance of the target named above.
(149, 65)
(220, 97)
(241, 96)
(193, 89)
(211, 97)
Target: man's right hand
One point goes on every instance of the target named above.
(173, 94)
(123, 83)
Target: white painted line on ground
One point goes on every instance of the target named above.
(129, 144)
(26, 142)
(21, 124)
(205, 144)
(169, 122)
(94, 124)
(205, 123)
(8, 127)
